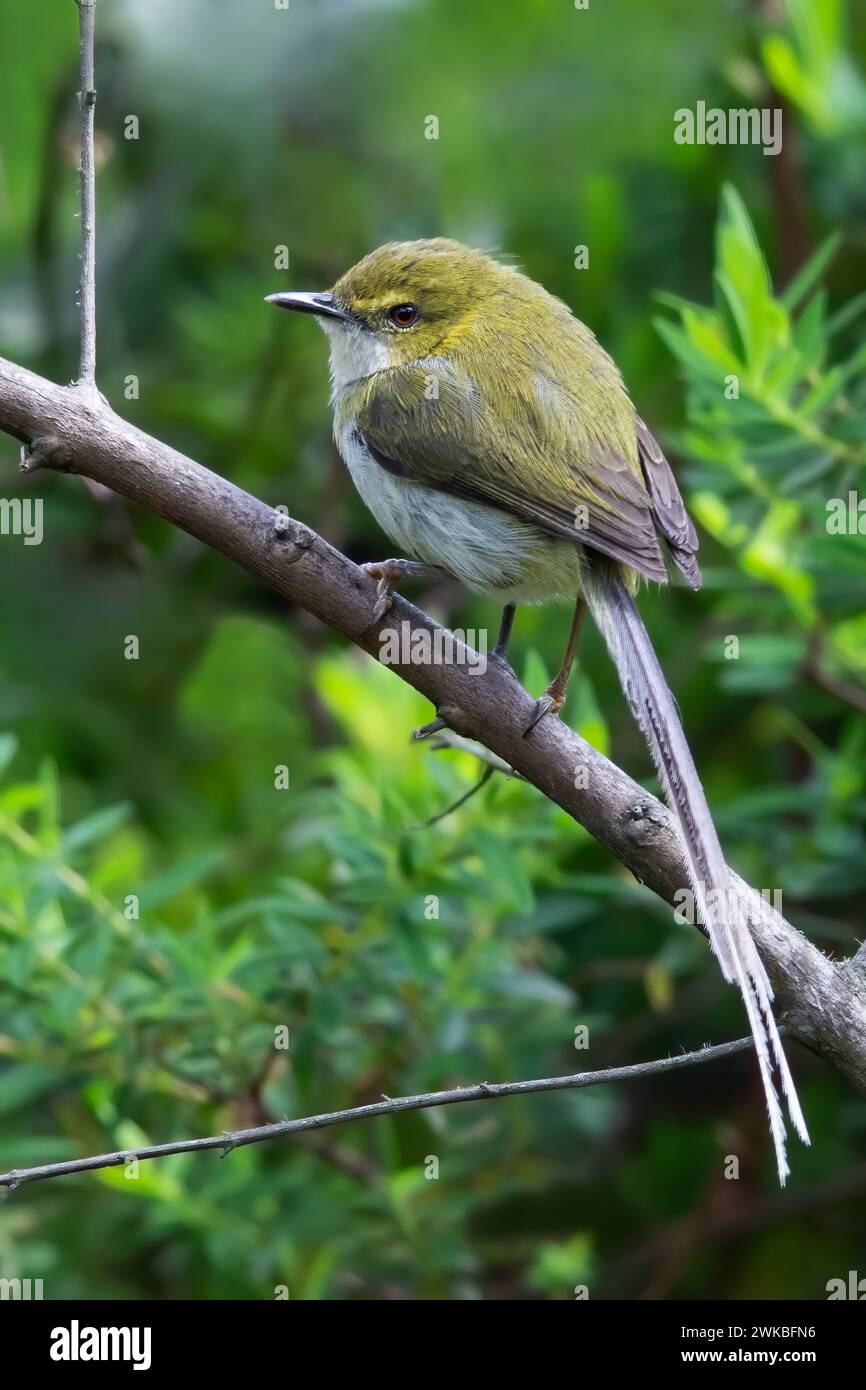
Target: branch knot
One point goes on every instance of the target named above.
(44, 451)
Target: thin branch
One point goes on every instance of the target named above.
(87, 292)
(461, 800)
(447, 739)
(813, 670)
(459, 1095)
(842, 690)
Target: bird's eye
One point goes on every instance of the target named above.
(403, 315)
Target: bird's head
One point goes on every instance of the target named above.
(402, 303)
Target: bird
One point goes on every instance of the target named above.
(493, 439)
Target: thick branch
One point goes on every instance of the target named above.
(823, 1003)
(388, 1105)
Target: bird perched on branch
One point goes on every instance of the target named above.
(492, 438)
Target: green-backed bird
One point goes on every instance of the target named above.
(492, 438)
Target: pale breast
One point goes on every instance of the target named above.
(487, 550)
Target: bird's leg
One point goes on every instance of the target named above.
(389, 573)
(500, 651)
(553, 699)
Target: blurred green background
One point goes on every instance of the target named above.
(402, 958)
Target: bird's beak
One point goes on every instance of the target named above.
(322, 304)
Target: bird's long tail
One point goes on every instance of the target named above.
(652, 704)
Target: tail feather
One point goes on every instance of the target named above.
(653, 706)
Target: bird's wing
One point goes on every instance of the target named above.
(670, 512)
(538, 458)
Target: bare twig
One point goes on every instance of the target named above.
(840, 689)
(461, 800)
(447, 739)
(395, 1105)
(87, 293)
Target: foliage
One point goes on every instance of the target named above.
(812, 67)
(401, 956)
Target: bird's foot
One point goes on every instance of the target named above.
(551, 702)
(389, 574)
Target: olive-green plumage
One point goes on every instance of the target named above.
(492, 437)
(535, 422)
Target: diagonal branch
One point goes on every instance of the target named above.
(823, 1002)
(388, 1105)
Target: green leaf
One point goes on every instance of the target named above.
(742, 269)
(847, 314)
(681, 346)
(734, 314)
(813, 271)
(560, 1266)
(95, 827)
(8, 749)
(810, 333)
(25, 1082)
(178, 878)
(535, 673)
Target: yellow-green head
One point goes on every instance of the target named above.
(410, 299)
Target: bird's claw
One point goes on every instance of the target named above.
(388, 572)
(384, 599)
(548, 703)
